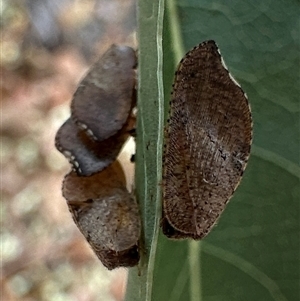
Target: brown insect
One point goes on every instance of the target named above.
(101, 121)
(105, 97)
(207, 143)
(86, 155)
(106, 214)
(101, 117)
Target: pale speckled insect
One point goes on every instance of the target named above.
(208, 138)
(106, 214)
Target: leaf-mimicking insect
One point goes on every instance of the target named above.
(207, 143)
(101, 117)
(91, 139)
(86, 155)
(106, 214)
(104, 99)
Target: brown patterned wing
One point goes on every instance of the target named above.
(106, 214)
(86, 155)
(207, 143)
(105, 97)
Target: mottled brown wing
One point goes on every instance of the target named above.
(112, 259)
(105, 97)
(88, 156)
(106, 214)
(208, 141)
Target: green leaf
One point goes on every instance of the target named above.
(253, 252)
(149, 142)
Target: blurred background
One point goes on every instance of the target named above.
(46, 47)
